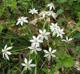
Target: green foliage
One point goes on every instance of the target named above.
(77, 35)
(1, 27)
(78, 49)
(60, 11)
(65, 60)
(10, 3)
(61, 1)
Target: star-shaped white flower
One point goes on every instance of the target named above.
(6, 52)
(67, 40)
(49, 53)
(60, 33)
(55, 29)
(27, 64)
(34, 49)
(36, 40)
(22, 20)
(51, 6)
(33, 11)
(43, 34)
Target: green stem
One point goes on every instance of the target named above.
(36, 64)
(44, 24)
(29, 59)
(48, 71)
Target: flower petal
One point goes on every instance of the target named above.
(25, 60)
(45, 51)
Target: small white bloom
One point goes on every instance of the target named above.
(36, 41)
(51, 6)
(27, 64)
(51, 13)
(49, 53)
(55, 29)
(43, 34)
(77, 65)
(6, 52)
(43, 14)
(22, 20)
(34, 49)
(60, 33)
(67, 39)
(33, 11)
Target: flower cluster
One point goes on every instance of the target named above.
(55, 29)
(36, 41)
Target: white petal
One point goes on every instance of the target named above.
(23, 64)
(30, 61)
(5, 47)
(50, 49)
(70, 39)
(34, 37)
(53, 56)
(45, 51)
(25, 60)
(40, 31)
(31, 40)
(26, 21)
(3, 55)
(66, 38)
(47, 33)
(30, 47)
(9, 53)
(53, 51)
(21, 23)
(6, 56)
(9, 48)
(32, 65)
(46, 55)
(17, 22)
(38, 49)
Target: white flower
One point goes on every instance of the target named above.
(22, 20)
(67, 39)
(55, 29)
(34, 49)
(77, 65)
(60, 33)
(43, 14)
(51, 13)
(49, 53)
(43, 34)
(33, 11)
(27, 64)
(6, 52)
(51, 6)
(36, 41)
